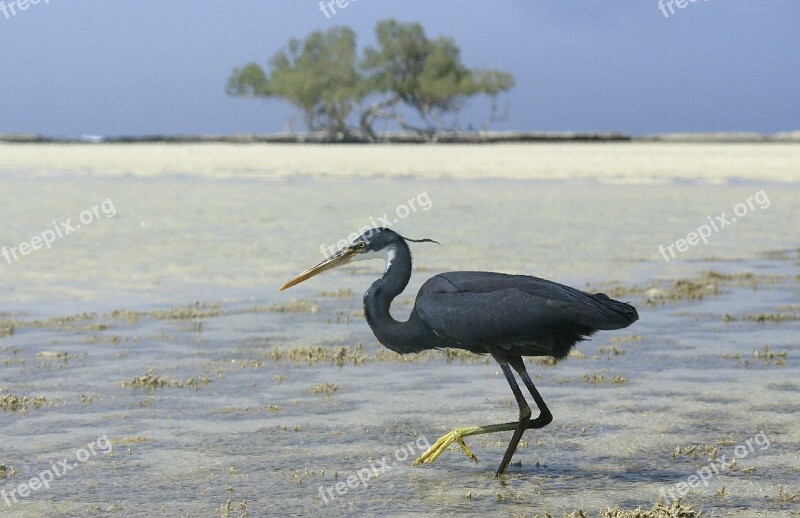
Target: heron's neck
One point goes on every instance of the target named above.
(379, 296)
(394, 280)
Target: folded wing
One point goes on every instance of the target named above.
(532, 316)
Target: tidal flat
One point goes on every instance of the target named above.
(160, 329)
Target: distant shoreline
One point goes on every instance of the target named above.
(617, 162)
(496, 137)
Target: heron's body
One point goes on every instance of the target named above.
(507, 316)
(524, 315)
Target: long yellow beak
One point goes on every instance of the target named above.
(339, 258)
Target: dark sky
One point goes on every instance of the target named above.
(110, 67)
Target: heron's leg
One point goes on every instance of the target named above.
(458, 434)
(524, 418)
(545, 417)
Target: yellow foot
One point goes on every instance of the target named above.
(432, 453)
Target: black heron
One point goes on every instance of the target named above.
(507, 316)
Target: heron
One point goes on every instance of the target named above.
(503, 315)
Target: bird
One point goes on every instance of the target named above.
(503, 315)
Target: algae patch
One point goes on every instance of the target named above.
(694, 451)
(13, 403)
(340, 294)
(324, 388)
(708, 283)
(126, 441)
(764, 356)
(7, 471)
(6, 328)
(356, 355)
(600, 378)
(151, 381)
(294, 306)
(763, 317)
(187, 312)
(659, 510)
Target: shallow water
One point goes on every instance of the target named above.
(250, 428)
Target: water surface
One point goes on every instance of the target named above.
(182, 280)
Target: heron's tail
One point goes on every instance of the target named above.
(618, 314)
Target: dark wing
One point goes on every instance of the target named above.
(529, 315)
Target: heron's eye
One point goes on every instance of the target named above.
(361, 245)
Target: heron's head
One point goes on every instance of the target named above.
(376, 243)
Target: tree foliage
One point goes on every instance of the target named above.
(324, 78)
(318, 75)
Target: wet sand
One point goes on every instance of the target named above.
(626, 162)
(221, 397)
